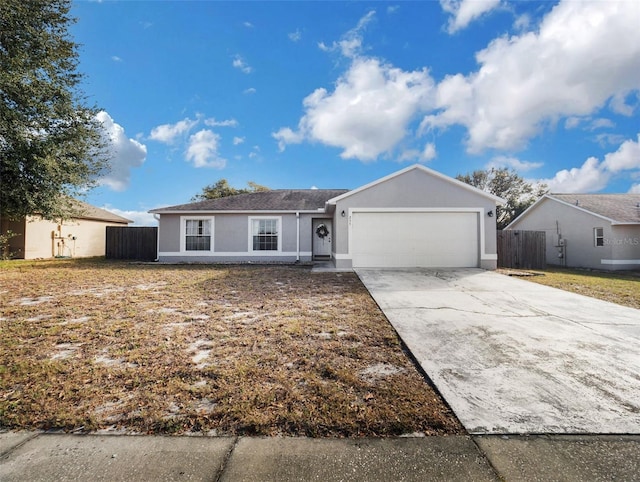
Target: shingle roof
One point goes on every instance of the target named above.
(621, 208)
(83, 210)
(274, 200)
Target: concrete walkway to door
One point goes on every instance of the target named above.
(511, 356)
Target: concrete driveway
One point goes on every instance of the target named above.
(511, 356)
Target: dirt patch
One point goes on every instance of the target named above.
(254, 350)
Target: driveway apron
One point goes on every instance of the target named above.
(511, 356)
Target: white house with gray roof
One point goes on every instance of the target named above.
(599, 231)
(415, 217)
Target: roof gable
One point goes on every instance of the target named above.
(272, 200)
(431, 172)
(614, 208)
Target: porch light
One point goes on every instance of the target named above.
(490, 214)
(342, 213)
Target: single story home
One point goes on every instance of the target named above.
(599, 231)
(415, 217)
(81, 236)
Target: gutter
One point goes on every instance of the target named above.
(297, 236)
(157, 218)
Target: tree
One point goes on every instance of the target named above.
(51, 146)
(508, 185)
(222, 189)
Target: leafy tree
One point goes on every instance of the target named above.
(222, 189)
(51, 146)
(508, 185)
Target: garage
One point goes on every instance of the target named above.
(414, 218)
(442, 239)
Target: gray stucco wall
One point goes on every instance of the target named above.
(576, 227)
(414, 189)
(625, 245)
(231, 235)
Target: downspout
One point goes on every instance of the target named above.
(157, 218)
(297, 236)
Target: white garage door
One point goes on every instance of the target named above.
(414, 239)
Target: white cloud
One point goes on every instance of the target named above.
(594, 175)
(620, 104)
(512, 162)
(522, 22)
(239, 63)
(635, 189)
(139, 218)
(589, 177)
(601, 123)
(426, 154)
(626, 157)
(368, 112)
(212, 122)
(463, 12)
(583, 54)
(350, 45)
(393, 9)
(124, 153)
(115, 58)
(238, 140)
(167, 133)
(249, 91)
(295, 36)
(429, 152)
(202, 150)
(248, 24)
(610, 139)
(572, 122)
(287, 136)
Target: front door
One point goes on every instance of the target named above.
(322, 234)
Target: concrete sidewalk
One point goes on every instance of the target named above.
(30, 456)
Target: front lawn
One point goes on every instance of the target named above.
(619, 287)
(269, 350)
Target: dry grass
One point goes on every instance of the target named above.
(622, 288)
(269, 350)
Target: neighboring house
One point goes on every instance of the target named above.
(600, 231)
(81, 236)
(415, 217)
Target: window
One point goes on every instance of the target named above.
(598, 236)
(264, 234)
(198, 235)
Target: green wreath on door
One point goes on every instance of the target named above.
(322, 231)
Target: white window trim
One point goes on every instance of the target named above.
(250, 240)
(596, 237)
(183, 233)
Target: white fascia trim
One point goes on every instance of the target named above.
(241, 254)
(600, 216)
(481, 211)
(183, 234)
(620, 261)
(437, 174)
(196, 212)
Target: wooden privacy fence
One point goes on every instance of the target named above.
(132, 243)
(521, 249)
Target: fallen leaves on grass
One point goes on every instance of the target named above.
(256, 350)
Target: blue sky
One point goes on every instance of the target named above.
(338, 94)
